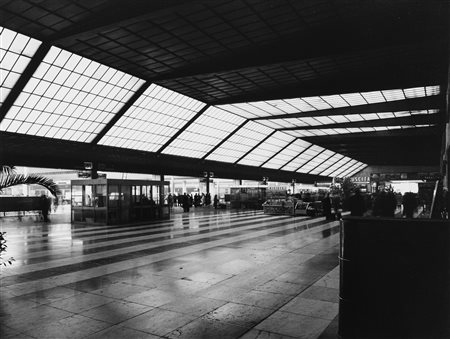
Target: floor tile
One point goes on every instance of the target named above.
(313, 308)
(193, 305)
(259, 334)
(294, 325)
(81, 302)
(321, 293)
(158, 321)
(120, 332)
(153, 297)
(238, 314)
(275, 286)
(119, 290)
(72, 327)
(116, 311)
(28, 318)
(204, 328)
(263, 299)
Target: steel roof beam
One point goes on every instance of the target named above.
(419, 119)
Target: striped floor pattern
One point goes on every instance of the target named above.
(206, 274)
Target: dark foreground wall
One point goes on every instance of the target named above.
(395, 278)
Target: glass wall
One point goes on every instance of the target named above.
(113, 201)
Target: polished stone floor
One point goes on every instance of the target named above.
(203, 274)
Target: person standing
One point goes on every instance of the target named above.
(326, 204)
(45, 207)
(216, 201)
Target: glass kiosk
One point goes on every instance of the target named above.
(114, 201)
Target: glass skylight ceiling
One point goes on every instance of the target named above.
(73, 98)
(267, 149)
(251, 110)
(287, 154)
(69, 97)
(241, 142)
(333, 119)
(154, 118)
(204, 133)
(16, 51)
(333, 131)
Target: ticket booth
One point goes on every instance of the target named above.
(114, 201)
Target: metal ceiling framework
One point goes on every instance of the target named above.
(332, 86)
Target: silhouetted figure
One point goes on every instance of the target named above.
(170, 200)
(45, 207)
(356, 204)
(185, 200)
(216, 201)
(385, 204)
(409, 204)
(326, 205)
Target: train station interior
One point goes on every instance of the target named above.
(263, 109)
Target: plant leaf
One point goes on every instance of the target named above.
(13, 179)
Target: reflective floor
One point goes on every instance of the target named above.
(204, 274)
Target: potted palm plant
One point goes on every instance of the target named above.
(9, 178)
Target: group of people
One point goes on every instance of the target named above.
(191, 200)
(384, 203)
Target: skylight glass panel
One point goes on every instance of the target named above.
(276, 124)
(340, 172)
(267, 149)
(286, 106)
(354, 99)
(329, 158)
(251, 110)
(320, 156)
(340, 118)
(394, 94)
(302, 156)
(240, 142)
(335, 101)
(286, 155)
(336, 166)
(415, 92)
(204, 133)
(351, 170)
(16, 51)
(55, 105)
(152, 120)
(328, 165)
(245, 110)
(317, 102)
(432, 90)
(373, 97)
